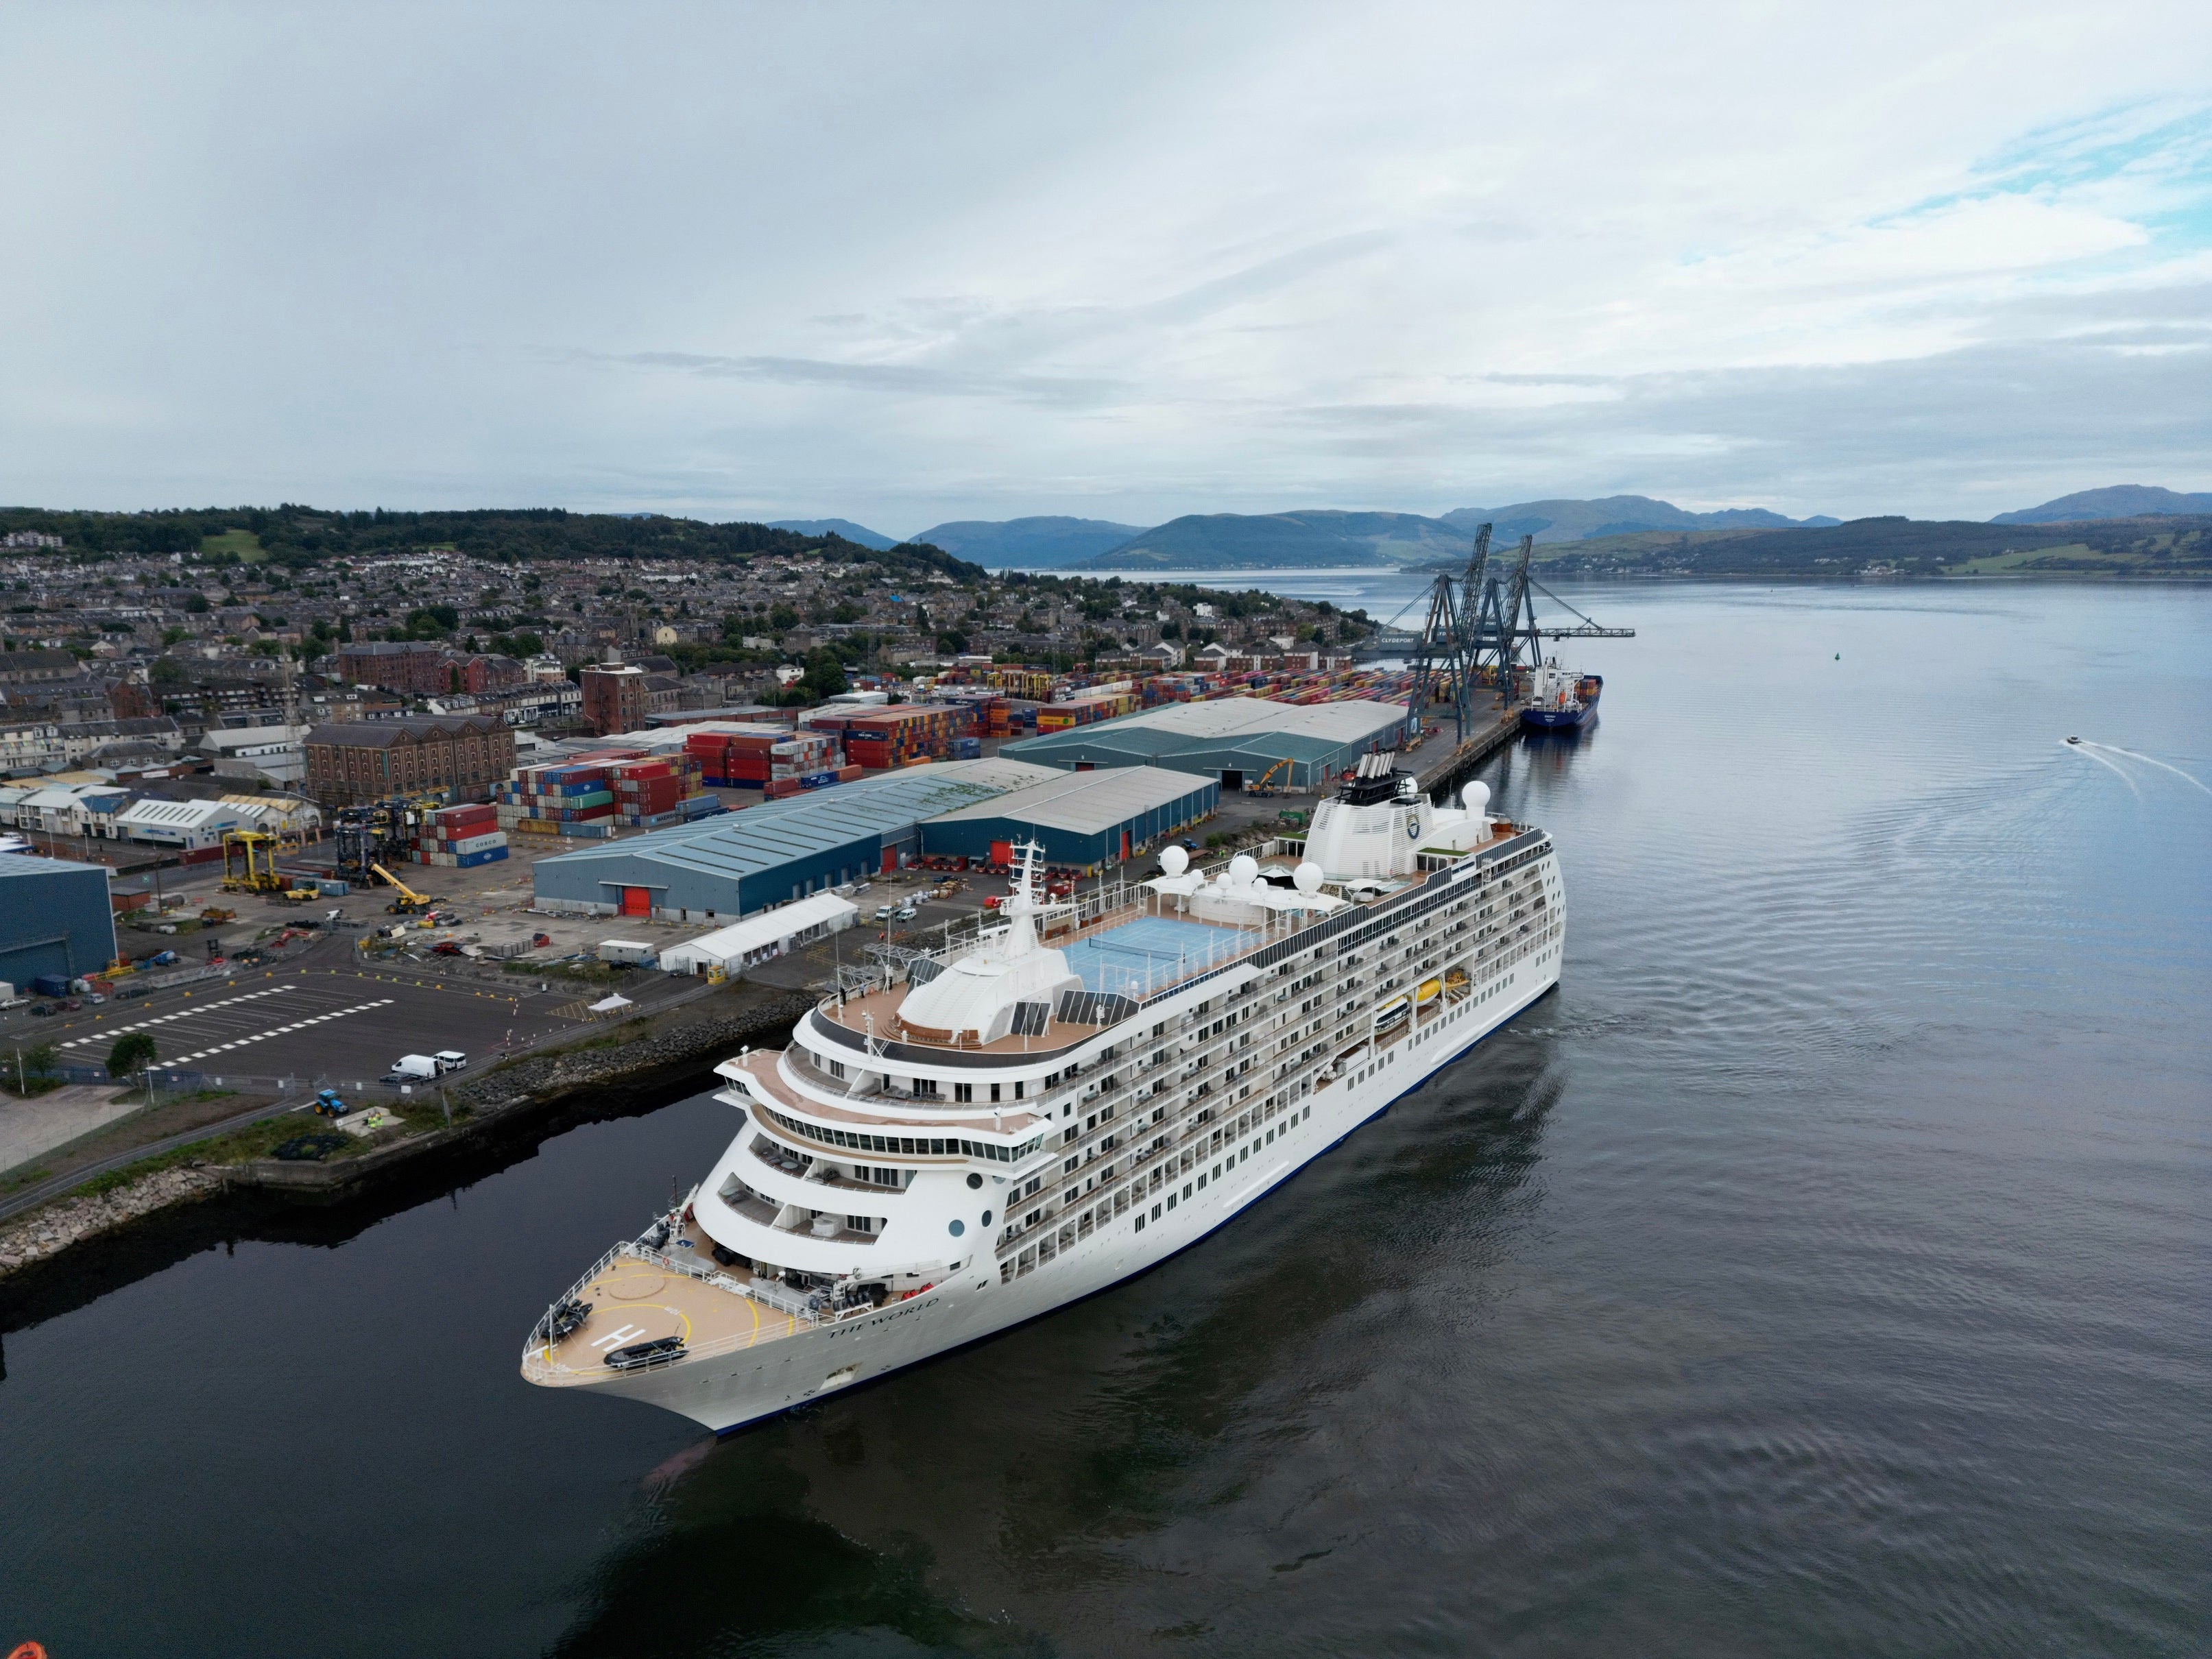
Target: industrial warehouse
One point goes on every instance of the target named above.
(734, 864)
(1241, 743)
(783, 850)
(1086, 820)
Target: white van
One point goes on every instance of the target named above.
(451, 1060)
(413, 1068)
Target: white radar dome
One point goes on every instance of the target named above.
(1243, 870)
(1308, 876)
(1174, 860)
(1477, 797)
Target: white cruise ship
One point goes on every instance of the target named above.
(982, 1136)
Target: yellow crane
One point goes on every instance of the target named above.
(410, 903)
(261, 878)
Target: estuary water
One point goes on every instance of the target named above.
(1826, 1268)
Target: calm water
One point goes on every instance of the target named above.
(1826, 1269)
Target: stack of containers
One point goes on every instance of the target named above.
(1086, 711)
(573, 799)
(804, 760)
(460, 837)
(749, 756)
(884, 737)
(650, 794)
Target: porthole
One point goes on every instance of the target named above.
(974, 1181)
(957, 1228)
(987, 1218)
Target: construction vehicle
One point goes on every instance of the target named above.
(410, 903)
(1267, 786)
(215, 912)
(327, 1103)
(260, 877)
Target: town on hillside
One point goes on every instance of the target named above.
(155, 697)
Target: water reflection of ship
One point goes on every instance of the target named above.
(1559, 700)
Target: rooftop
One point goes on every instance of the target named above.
(1085, 803)
(761, 837)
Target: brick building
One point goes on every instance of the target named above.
(615, 697)
(395, 665)
(459, 754)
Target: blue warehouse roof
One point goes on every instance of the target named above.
(701, 865)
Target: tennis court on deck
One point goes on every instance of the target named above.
(1140, 956)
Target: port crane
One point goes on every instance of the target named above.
(1477, 627)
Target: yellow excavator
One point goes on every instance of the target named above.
(410, 903)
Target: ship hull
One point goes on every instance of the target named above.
(1571, 719)
(730, 1392)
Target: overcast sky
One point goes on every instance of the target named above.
(909, 263)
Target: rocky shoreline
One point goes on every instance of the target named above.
(630, 1070)
(49, 1232)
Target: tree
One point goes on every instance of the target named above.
(825, 675)
(134, 1051)
(196, 604)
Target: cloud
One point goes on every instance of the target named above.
(967, 262)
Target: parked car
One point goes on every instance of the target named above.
(451, 1060)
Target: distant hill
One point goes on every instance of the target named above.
(296, 536)
(1241, 541)
(2157, 546)
(2114, 501)
(1615, 515)
(1040, 543)
(845, 527)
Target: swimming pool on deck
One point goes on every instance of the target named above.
(1139, 956)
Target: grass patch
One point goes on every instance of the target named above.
(244, 542)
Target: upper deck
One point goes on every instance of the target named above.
(1130, 946)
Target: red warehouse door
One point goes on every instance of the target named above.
(637, 900)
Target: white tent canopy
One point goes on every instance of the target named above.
(770, 933)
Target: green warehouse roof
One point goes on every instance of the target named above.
(1246, 734)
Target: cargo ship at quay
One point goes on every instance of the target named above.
(976, 1137)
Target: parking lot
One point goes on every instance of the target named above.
(334, 1025)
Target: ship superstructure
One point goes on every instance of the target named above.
(1081, 1089)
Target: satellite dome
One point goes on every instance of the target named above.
(1174, 860)
(1308, 876)
(1243, 870)
(1477, 796)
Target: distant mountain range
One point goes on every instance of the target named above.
(1616, 515)
(1228, 541)
(2114, 501)
(845, 527)
(1318, 538)
(1042, 543)
(1223, 541)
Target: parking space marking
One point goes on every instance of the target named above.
(257, 1036)
(181, 1013)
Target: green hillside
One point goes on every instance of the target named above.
(296, 536)
(2164, 546)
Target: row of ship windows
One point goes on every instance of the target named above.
(1241, 1153)
(910, 1146)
